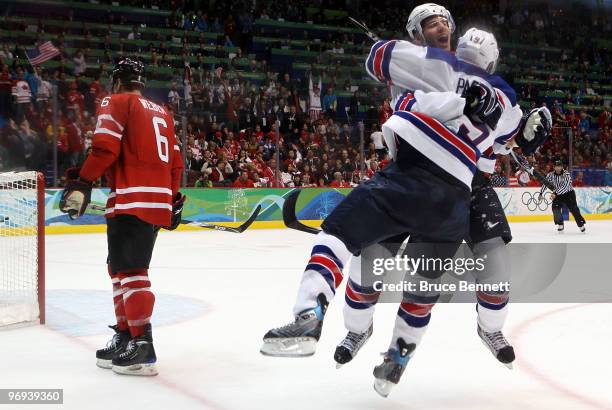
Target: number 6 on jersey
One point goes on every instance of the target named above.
(161, 139)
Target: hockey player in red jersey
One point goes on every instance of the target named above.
(134, 146)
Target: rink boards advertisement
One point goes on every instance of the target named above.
(232, 206)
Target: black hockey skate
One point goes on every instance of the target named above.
(498, 345)
(299, 338)
(113, 348)
(139, 358)
(388, 373)
(349, 347)
(560, 228)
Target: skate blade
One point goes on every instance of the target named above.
(383, 387)
(148, 369)
(290, 347)
(104, 364)
(509, 366)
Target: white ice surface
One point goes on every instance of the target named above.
(218, 293)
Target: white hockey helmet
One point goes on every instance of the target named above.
(478, 47)
(423, 11)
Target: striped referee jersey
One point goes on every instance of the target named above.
(562, 182)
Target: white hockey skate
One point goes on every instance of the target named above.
(299, 338)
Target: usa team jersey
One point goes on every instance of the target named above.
(434, 124)
(405, 66)
(134, 145)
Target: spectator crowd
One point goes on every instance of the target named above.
(254, 122)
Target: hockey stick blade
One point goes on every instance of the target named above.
(289, 216)
(245, 225)
(364, 28)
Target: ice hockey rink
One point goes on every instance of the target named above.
(218, 293)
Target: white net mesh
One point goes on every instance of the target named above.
(18, 248)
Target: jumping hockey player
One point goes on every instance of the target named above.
(299, 338)
(479, 48)
(454, 166)
(135, 147)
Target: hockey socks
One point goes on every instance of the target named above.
(137, 299)
(411, 322)
(118, 301)
(323, 273)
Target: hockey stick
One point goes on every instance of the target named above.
(289, 216)
(523, 163)
(239, 229)
(245, 225)
(364, 28)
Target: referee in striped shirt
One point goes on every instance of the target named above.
(563, 194)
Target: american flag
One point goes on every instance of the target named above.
(42, 53)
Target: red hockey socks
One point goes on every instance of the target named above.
(137, 299)
(118, 301)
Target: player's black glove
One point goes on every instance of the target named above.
(535, 129)
(177, 211)
(76, 195)
(482, 104)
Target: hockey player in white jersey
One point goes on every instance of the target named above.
(317, 287)
(341, 238)
(480, 49)
(414, 194)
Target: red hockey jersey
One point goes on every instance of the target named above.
(135, 146)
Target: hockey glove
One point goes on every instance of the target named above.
(177, 211)
(76, 195)
(482, 105)
(536, 128)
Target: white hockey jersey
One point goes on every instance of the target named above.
(406, 66)
(434, 124)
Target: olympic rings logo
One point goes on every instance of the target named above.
(536, 201)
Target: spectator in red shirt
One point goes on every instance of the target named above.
(95, 93)
(339, 181)
(579, 180)
(75, 100)
(269, 173)
(572, 119)
(385, 111)
(605, 118)
(384, 161)
(220, 172)
(75, 139)
(243, 181)
(372, 169)
(290, 161)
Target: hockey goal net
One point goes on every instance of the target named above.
(22, 240)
